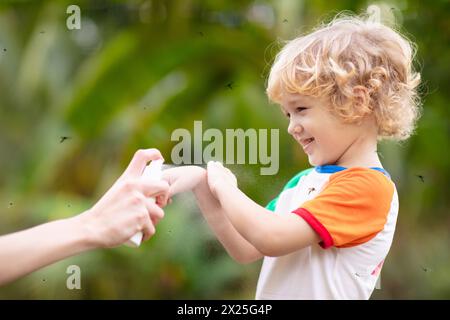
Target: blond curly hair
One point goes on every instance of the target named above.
(362, 67)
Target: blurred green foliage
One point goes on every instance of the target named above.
(136, 71)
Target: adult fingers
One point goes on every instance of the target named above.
(139, 161)
(155, 214)
(148, 228)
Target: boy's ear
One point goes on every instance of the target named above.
(361, 99)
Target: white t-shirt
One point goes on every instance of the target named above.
(354, 210)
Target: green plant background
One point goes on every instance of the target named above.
(136, 71)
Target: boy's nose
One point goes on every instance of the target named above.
(294, 128)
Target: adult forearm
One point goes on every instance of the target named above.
(28, 250)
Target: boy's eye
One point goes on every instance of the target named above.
(299, 109)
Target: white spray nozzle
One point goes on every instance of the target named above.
(152, 172)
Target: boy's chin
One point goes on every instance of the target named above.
(313, 161)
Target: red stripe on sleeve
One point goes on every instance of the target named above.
(327, 241)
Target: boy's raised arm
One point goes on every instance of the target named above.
(191, 177)
(270, 234)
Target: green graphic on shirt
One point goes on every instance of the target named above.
(291, 184)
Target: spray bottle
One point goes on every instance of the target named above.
(152, 172)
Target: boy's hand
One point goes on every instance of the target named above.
(126, 209)
(218, 176)
(183, 179)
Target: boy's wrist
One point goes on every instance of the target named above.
(223, 189)
(202, 182)
(198, 175)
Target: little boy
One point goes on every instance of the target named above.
(343, 87)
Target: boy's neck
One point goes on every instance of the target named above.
(364, 164)
(362, 153)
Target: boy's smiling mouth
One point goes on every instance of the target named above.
(305, 143)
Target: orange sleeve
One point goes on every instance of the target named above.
(351, 209)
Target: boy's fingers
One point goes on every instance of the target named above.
(140, 160)
(219, 164)
(172, 191)
(178, 187)
(171, 175)
(212, 165)
(162, 200)
(153, 188)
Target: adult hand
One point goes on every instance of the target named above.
(125, 208)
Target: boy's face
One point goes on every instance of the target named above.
(323, 137)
